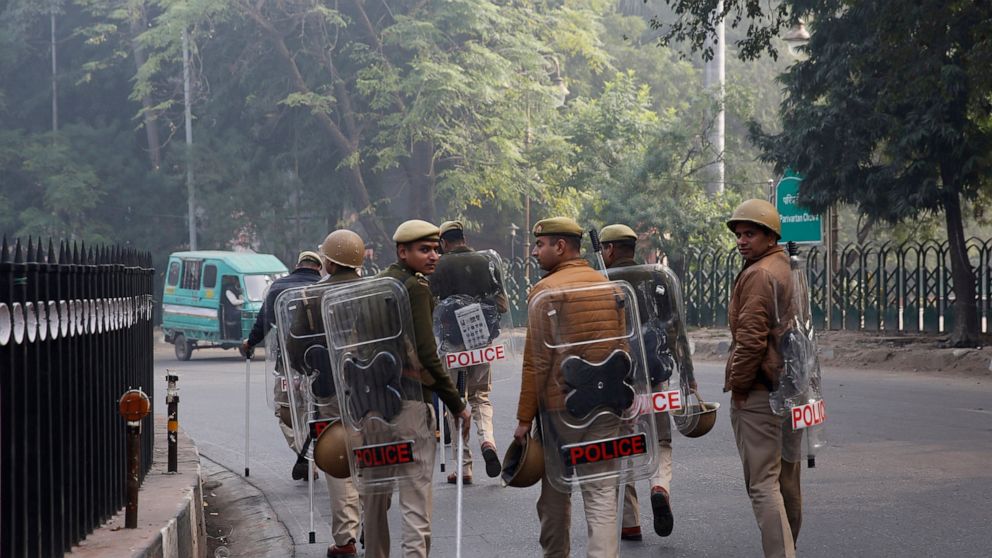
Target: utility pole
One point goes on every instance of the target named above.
(714, 74)
(55, 87)
(191, 194)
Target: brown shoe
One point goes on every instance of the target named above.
(453, 479)
(346, 551)
(631, 533)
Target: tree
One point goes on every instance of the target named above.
(890, 112)
(642, 168)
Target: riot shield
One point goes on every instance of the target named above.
(472, 322)
(799, 395)
(306, 364)
(275, 380)
(377, 374)
(594, 394)
(663, 333)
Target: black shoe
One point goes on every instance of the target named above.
(300, 468)
(493, 468)
(662, 508)
(631, 534)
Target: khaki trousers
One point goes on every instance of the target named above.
(345, 513)
(345, 510)
(415, 498)
(281, 400)
(554, 509)
(478, 384)
(599, 501)
(662, 476)
(771, 482)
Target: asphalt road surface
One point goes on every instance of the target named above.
(907, 471)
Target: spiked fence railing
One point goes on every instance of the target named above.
(75, 334)
(904, 287)
(882, 287)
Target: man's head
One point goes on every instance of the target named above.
(308, 260)
(452, 235)
(618, 242)
(757, 226)
(557, 240)
(417, 245)
(342, 249)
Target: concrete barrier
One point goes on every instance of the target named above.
(170, 511)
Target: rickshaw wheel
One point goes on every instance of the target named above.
(184, 348)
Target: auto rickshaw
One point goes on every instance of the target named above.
(211, 297)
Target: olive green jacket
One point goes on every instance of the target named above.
(436, 378)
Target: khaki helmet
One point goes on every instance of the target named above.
(330, 452)
(697, 419)
(285, 415)
(344, 247)
(758, 212)
(523, 465)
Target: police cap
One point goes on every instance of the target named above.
(414, 230)
(558, 226)
(308, 256)
(617, 233)
(451, 226)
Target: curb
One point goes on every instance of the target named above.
(170, 511)
(239, 516)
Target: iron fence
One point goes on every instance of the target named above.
(75, 334)
(884, 287)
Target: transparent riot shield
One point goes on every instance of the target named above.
(472, 326)
(799, 395)
(307, 378)
(663, 332)
(593, 385)
(275, 380)
(377, 374)
(472, 322)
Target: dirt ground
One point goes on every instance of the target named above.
(872, 350)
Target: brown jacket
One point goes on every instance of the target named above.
(760, 311)
(576, 318)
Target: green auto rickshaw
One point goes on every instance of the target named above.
(211, 297)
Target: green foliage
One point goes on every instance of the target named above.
(888, 113)
(310, 115)
(639, 168)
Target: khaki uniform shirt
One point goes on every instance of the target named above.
(432, 376)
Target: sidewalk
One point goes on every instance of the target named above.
(876, 350)
(170, 514)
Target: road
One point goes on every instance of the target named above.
(907, 472)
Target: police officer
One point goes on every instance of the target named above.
(463, 272)
(619, 243)
(760, 310)
(417, 244)
(307, 271)
(557, 249)
(343, 253)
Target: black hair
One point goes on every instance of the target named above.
(625, 246)
(453, 235)
(574, 242)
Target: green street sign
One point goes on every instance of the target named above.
(798, 224)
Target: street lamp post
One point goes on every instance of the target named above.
(513, 241)
(795, 39)
(561, 94)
